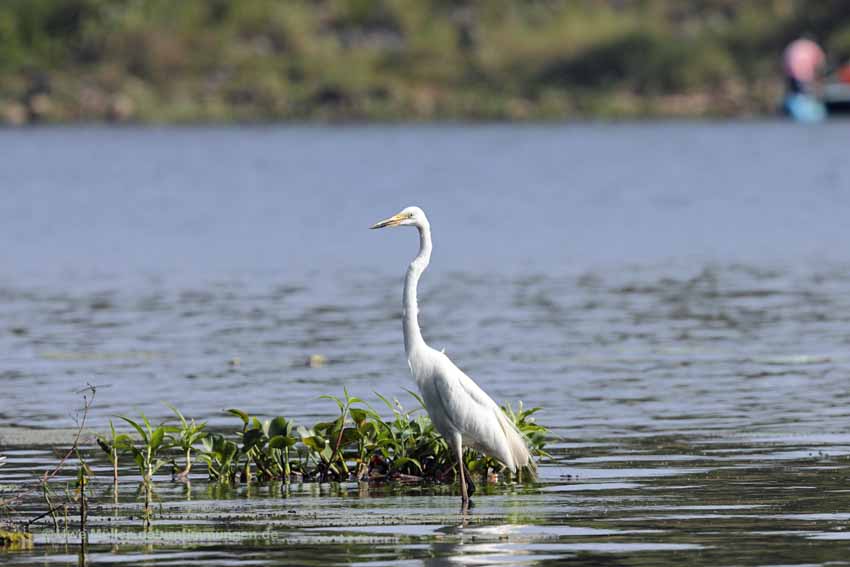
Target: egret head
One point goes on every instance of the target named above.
(411, 216)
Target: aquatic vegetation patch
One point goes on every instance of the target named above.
(358, 444)
(153, 441)
(187, 435)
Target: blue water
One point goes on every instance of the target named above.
(675, 295)
(206, 202)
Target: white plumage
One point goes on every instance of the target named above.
(460, 410)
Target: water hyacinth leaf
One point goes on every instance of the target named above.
(281, 441)
(528, 412)
(253, 438)
(416, 397)
(279, 426)
(229, 450)
(349, 436)
(476, 465)
(304, 432)
(240, 414)
(386, 402)
(137, 427)
(156, 438)
(179, 415)
(197, 435)
(264, 427)
(209, 442)
(368, 429)
(147, 423)
(324, 427)
(326, 453)
(122, 441)
(358, 415)
(314, 442)
(401, 461)
(335, 399)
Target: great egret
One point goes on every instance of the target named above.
(461, 411)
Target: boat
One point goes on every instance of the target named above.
(836, 96)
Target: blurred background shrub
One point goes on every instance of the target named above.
(260, 60)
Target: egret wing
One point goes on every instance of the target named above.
(473, 413)
(472, 390)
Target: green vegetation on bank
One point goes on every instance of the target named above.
(252, 60)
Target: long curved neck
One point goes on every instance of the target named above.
(412, 333)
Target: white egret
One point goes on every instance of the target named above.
(461, 411)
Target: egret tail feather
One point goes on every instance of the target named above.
(517, 446)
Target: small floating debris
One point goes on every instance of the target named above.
(794, 359)
(316, 361)
(234, 362)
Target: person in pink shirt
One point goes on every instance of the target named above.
(803, 61)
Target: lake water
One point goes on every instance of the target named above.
(676, 296)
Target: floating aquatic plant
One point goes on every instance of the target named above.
(153, 442)
(220, 456)
(268, 445)
(358, 444)
(113, 446)
(185, 437)
(409, 447)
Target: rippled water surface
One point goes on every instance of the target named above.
(676, 297)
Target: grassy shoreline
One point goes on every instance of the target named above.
(327, 61)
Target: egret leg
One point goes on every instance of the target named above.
(460, 466)
(470, 486)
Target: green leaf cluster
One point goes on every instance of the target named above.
(152, 443)
(188, 434)
(113, 445)
(357, 444)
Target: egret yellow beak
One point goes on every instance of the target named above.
(394, 220)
